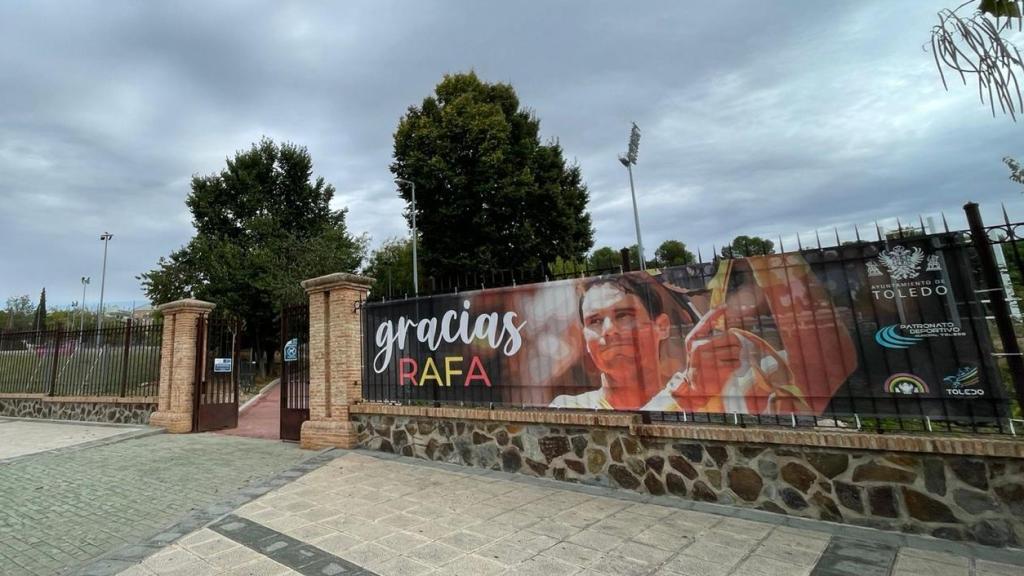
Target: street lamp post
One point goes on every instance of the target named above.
(105, 237)
(629, 160)
(415, 274)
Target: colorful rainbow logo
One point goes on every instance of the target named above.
(905, 383)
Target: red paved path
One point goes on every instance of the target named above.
(262, 420)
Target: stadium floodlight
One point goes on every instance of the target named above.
(629, 160)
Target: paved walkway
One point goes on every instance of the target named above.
(262, 419)
(22, 437)
(365, 514)
(63, 509)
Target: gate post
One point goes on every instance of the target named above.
(178, 364)
(335, 358)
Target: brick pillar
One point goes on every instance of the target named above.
(178, 364)
(335, 358)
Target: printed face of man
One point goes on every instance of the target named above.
(621, 336)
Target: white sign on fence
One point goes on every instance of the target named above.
(222, 365)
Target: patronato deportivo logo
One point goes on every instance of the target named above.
(964, 382)
(906, 384)
(890, 337)
(902, 336)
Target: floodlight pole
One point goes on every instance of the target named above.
(415, 275)
(105, 237)
(636, 219)
(628, 161)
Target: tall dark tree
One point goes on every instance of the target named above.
(263, 224)
(748, 246)
(39, 322)
(489, 194)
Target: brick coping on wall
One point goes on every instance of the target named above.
(849, 439)
(81, 399)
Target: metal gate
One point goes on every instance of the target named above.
(216, 381)
(294, 371)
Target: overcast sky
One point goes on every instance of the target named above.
(758, 117)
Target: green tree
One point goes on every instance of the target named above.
(489, 195)
(742, 246)
(18, 314)
(673, 253)
(1016, 170)
(391, 268)
(263, 224)
(561, 268)
(604, 257)
(39, 321)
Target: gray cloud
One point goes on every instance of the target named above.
(758, 118)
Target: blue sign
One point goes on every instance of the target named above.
(291, 350)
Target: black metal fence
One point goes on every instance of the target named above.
(122, 360)
(978, 300)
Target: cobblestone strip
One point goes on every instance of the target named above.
(61, 510)
(283, 549)
(127, 556)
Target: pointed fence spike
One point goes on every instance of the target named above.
(945, 225)
(818, 238)
(856, 231)
(878, 230)
(836, 229)
(781, 247)
(799, 244)
(899, 227)
(1006, 217)
(921, 220)
(700, 257)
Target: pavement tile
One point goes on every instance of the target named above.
(573, 554)
(470, 565)
(986, 568)
(616, 565)
(788, 554)
(543, 566)
(508, 555)
(596, 540)
(338, 543)
(433, 554)
(465, 541)
(643, 553)
(402, 566)
(260, 567)
(763, 566)
(908, 565)
(402, 541)
(683, 565)
(663, 539)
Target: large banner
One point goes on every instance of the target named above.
(868, 328)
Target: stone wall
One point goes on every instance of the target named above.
(113, 412)
(953, 497)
